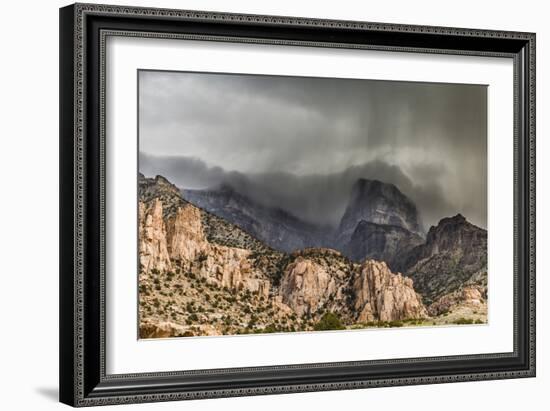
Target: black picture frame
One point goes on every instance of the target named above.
(83, 29)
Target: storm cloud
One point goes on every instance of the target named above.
(300, 143)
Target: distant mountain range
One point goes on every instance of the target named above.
(275, 227)
(392, 218)
(379, 223)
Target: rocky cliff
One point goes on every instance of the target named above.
(153, 246)
(455, 251)
(321, 280)
(183, 236)
(384, 296)
(379, 203)
(200, 275)
(381, 242)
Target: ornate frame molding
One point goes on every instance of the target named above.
(83, 42)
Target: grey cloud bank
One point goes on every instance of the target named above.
(300, 143)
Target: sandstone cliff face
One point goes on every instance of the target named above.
(359, 293)
(306, 286)
(153, 250)
(178, 240)
(382, 295)
(231, 268)
(185, 236)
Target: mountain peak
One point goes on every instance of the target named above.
(454, 250)
(451, 224)
(163, 180)
(451, 231)
(459, 218)
(380, 203)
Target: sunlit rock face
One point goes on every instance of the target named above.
(385, 296)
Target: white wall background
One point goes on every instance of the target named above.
(29, 204)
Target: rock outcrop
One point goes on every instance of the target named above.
(153, 249)
(185, 235)
(357, 292)
(474, 297)
(454, 251)
(384, 296)
(306, 286)
(179, 241)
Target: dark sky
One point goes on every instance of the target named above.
(300, 143)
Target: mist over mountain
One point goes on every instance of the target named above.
(315, 198)
(300, 143)
(380, 222)
(274, 226)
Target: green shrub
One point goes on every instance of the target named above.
(329, 321)
(463, 320)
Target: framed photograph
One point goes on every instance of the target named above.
(262, 204)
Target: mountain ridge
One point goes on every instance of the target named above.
(286, 232)
(454, 251)
(195, 283)
(274, 226)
